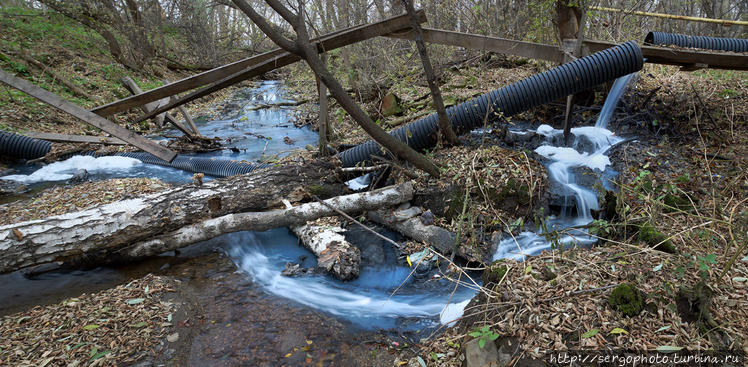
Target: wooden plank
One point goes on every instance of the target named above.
(340, 39)
(327, 42)
(67, 138)
(88, 117)
(486, 43)
(683, 57)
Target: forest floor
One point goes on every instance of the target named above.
(683, 187)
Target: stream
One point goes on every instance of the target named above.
(247, 265)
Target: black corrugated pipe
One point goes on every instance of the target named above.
(571, 78)
(19, 146)
(708, 43)
(208, 166)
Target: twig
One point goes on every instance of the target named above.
(355, 221)
(364, 169)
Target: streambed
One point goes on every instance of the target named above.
(241, 282)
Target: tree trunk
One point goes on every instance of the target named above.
(105, 229)
(304, 49)
(444, 127)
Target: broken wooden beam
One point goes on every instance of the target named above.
(68, 138)
(486, 43)
(683, 56)
(88, 117)
(148, 107)
(237, 71)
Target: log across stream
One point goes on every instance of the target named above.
(367, 301)
(385, 295)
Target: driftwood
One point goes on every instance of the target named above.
(87, 116)
(102, 231)
(334, 254)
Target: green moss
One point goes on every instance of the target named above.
(495, 272)
(652, 237)
(627, 299)
(674, 202)
(321, 191)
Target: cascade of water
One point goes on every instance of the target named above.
(614, 96)
(588, 149)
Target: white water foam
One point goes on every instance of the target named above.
(368, 300)
(60, 171)
(588, 150)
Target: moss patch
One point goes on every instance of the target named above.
(656, 239)
(627, 299)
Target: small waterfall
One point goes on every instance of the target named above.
(614, 96)
(589, 148)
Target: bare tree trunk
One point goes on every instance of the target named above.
(323, 115)
(444, 127)
(106, 229)
(304, 49)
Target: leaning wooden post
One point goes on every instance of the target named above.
(87, 116)
(323, 113)
(572, 49)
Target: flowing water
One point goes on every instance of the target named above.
(386, 295)
(588, 150)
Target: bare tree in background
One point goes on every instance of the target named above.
(304, 49)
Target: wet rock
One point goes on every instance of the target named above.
(80, 175)
(427, 218)
(8, 187)
(475, 356)
(390, 105)
(295, 270)
(288, 141)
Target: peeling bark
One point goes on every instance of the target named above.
(334, 254)
(103, 230)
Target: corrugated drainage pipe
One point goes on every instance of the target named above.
(571, 78)
(19, 146)
(208, 166)
(708, 43)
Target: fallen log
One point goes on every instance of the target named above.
(334, 254)
(408, 222)
(105, 229)
(261, 221)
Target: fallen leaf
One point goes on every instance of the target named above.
(171, 338)
(91, 327)
(18, 234)
(668, 348)
(135, 301)
(618, 331)
(421, 361)
(663, 328)
(739, 279)
(590, 333)
(140, 324)
(657, 268)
